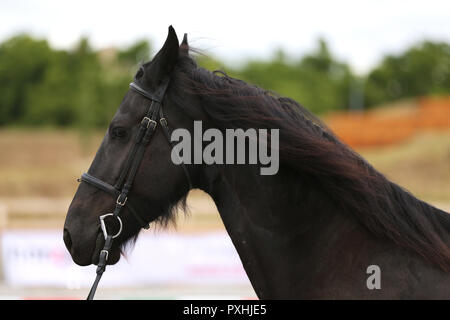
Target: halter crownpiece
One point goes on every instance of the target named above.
(123, 185)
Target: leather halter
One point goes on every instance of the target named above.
(123, 185)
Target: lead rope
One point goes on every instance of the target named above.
(101, 266)
(103, 258)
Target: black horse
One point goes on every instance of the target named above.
(311, 231)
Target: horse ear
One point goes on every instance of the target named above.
(185, 41)
(184, 47)
(166, 59)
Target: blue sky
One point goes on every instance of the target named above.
(360, 32)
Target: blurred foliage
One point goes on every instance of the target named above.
(81, 87)
(423, 69)
(317, 80)
(41, 86)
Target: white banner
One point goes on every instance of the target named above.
(39, 258)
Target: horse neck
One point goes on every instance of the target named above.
(288, 231)
(272, 219)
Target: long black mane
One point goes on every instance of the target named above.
(309, 148)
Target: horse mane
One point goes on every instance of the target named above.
(310, 148)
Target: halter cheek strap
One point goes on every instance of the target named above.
(127, 176)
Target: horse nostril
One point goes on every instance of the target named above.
(67, 239)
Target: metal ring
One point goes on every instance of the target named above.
(103, 226)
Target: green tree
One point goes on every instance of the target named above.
(23, 64)
(136, 53)
(423, 69)
(83, 88)
(318, 81)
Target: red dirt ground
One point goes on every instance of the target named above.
(384, 126)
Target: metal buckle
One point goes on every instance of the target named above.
(103, 226)
(121, 203)
(107, 253)
(163, 122)
(149, 121)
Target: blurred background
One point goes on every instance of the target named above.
(378, 73)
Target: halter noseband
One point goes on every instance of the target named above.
(123, 185)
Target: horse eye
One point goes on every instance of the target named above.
(119, 132)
